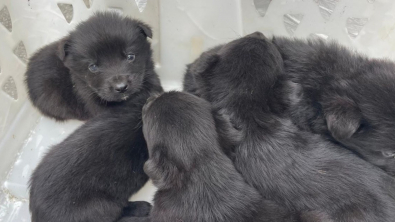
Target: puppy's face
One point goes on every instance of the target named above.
(110, 53)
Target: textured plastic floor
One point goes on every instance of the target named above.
(182, 30)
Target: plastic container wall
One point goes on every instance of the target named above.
(182, 30)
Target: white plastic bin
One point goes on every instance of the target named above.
(182, 30)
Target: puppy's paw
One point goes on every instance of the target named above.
(137, 209)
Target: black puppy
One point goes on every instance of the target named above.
(342, 94)
(105, 61)
(299, 170)
(92, 173)
(196, 181)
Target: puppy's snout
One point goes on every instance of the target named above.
(259, 35)
(121, 87)
(120, 83)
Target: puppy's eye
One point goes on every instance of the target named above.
(130, 57)
(362, 128)
(93, 68)
(388, 154)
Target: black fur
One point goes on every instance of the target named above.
(91, 174)
(297, 169)
(196, 181)
(189, 84)
(136, 209)
(342, 94)
(60, 83)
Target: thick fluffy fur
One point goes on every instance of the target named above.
(342, 94)
(91, 174)
(60, 83)
(297, 169)
(189, 84)
(196, 181)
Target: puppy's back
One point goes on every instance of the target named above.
(197, 182)
(92, 173)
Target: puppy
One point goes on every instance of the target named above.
(104, 62)
(196, 181)
(92, 173)
(344, 95)
(297, 169)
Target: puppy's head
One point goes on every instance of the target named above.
(361, 115)
(179, 129)
(110, 53)
(245, 67)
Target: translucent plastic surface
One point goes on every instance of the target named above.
(182, 30)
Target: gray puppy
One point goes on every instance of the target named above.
(196, 181)
(297, 169)
(105, 61)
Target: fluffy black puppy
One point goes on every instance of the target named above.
(92, 173)
(196, 181)
(103, 62)
(299, 170)
(342, 94)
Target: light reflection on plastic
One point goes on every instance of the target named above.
(292, 21)
(327, 7)
(355, 25)
(261, 6)
(141, 4)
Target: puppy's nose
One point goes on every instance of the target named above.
(121, 87)
(257, 35)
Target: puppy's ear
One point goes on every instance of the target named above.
(145, 29)
(189, 83)
(343, 117)
(161, 170)
(229, 136)
(152, 170)
(63, 48)
(205, 62)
